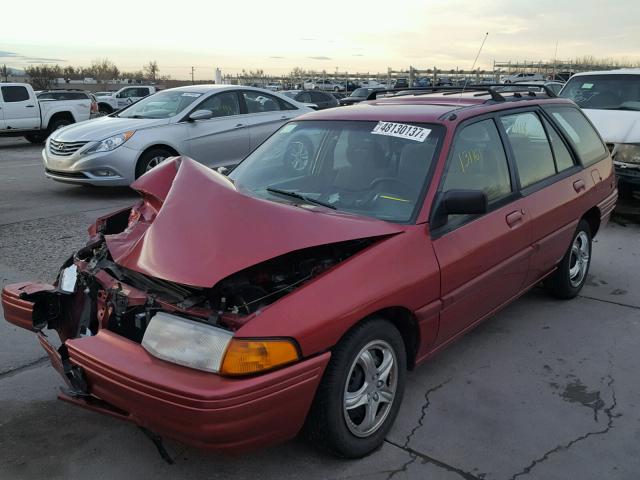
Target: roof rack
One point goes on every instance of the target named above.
(493, 89)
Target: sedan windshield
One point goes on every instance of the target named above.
(160, 105)
(604, 92)
(376, 169)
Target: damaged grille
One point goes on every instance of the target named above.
(65, 149)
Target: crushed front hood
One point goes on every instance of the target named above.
(205, 229)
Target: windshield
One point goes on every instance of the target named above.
(605, 92)
(290, 93)
(375, 169)
(160, 105)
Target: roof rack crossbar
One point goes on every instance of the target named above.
(485, 89)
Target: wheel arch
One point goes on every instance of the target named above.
(61, 116)
(406, 323)
(105, 106)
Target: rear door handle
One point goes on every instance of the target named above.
(240, 125)
(578, 185)
(514, 218)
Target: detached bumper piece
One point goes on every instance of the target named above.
(18, 309)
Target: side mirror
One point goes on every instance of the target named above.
(459, 202)
(200, 115)
(222, 170)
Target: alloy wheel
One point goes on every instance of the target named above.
(579, 259)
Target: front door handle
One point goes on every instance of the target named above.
(578, 185)
(29, 106)
(514, 218)
(240, 125)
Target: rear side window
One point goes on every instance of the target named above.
(577, 129)
(15, 94)
(478, 162)
(564, 160)
(530, 147)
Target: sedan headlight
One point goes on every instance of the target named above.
(627, 153)
(111, 143)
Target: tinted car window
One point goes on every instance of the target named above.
(318, 97)
(564, 160)
(222, 104)
(258, 102)
(15, 94)
(478, 162)
(580, 132)
(530, 147)
(304, 97)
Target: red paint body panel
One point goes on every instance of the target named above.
(206, 230)
(399, 271)
(197, 408)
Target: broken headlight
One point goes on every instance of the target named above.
(627, 153)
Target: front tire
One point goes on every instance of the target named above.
(361, 391)
(37, 138)
(151, 159)
(571, 275)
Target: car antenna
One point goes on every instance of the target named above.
(464, 85)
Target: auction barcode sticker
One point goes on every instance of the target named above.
(401, 130)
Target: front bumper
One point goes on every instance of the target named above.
(195, 407)
(628, 172)
(80, 168)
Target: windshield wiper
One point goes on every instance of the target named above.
(300, 197)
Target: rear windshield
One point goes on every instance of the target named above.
(375, 169)
(604, 92)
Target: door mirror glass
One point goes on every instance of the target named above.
(200, 115)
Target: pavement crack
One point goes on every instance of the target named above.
(415, 455)
(609, 412)
(611, 302)
(420, 423)
(14, 371)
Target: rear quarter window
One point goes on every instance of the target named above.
(580, 133)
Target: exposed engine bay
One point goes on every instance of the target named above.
(107, 295)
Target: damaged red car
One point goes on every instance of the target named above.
(232, 312)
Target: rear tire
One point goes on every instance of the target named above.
(104, 110)
(151, 159)
(567, 281)
(361, 391)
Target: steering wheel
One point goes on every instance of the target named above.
(396, 180)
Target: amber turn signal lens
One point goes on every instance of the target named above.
(245, 357)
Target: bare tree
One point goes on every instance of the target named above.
(103, 70)
(4, 72)
(41, 76)
(151, 70)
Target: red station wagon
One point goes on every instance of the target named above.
(233, 312)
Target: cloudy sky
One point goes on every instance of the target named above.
(350, 35)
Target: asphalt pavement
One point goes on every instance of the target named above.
(546, 389)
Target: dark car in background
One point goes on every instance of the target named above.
(359, 95)
(318, 98)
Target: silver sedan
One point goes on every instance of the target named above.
(217, 125)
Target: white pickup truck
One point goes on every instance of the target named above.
(125, 96)
(22, 115)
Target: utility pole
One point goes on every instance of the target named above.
(193, 69)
